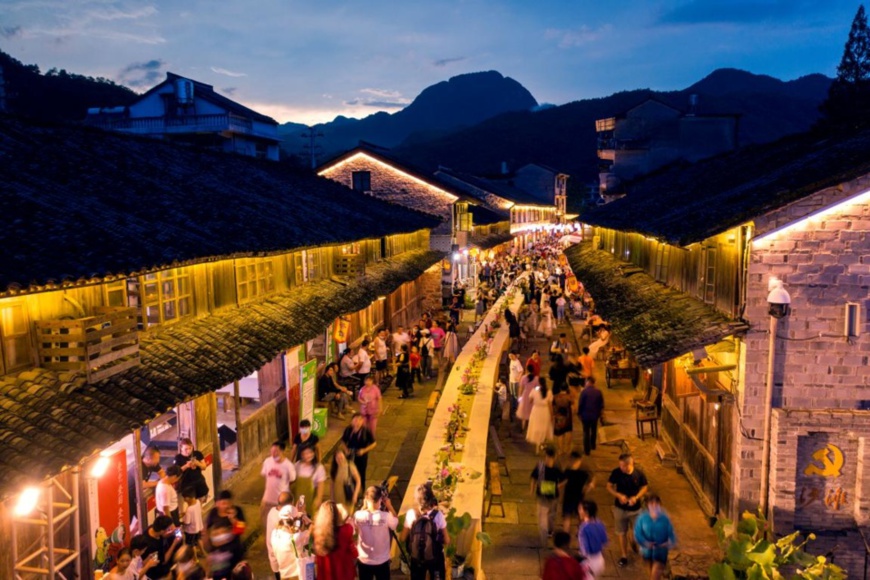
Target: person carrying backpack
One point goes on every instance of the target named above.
(425, 534)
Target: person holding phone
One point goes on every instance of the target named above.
(162, 542)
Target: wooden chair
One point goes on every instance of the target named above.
(499, 452)
(647, 412)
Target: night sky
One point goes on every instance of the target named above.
(307, 61)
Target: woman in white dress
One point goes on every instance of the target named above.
(541, 419)
(528, 383)
(547, 324)
(532, 320)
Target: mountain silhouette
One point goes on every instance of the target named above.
(442, 108)
(564, 137)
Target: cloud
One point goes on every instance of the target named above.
(382, 93)
(575, 37)
(140, 74)
(229, 73)
(229, 90)
(442, 62)
(734, 11)
(116, 14)
(387, 104)
(10, 31)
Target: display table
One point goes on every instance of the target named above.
(469, 493)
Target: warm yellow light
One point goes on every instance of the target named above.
(388, 167)
(27, 501)
(858, 198)
(100, 467)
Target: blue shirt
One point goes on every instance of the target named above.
(592, 537)
(659, 531)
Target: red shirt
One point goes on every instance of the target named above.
(563, 568)
(415, 359)
(340, 564)
(536, 364)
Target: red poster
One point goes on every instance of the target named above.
(112, 529)
(291, 379)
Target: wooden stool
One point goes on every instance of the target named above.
(495, 488)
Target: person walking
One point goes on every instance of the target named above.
(426, 536)
(561, 564)
(357, 441)
(427, 349)
(345, 481)
(310, 481)
(627, 485)
(515, 374)
(381, 356)
(654, 533)
(438, 335)
(225, 525)
(278, 473)
(334, 549)
(304, 439)
(547, 324)
(370, 404)
(403, 372)
(284, 511)
(546, 483)
(591, 538)
(528, 383)
(586, 363)
(451, 344)
(374, 524)
(540, 427)
(578, 482)
(590, 410)
(563, 422)
(289, 541)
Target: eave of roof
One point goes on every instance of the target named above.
(491, 240)
(50, 422)
(497, 188)
(654, 322)
(80, 205)
(485, 216)
(685, 203)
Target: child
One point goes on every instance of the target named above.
(138, 545)
(415, 359)
(191, 521)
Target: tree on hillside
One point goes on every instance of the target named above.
(848, 103)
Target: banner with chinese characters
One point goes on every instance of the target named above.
(109, 510)
(308, 375)
(825, 481)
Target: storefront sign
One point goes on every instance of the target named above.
(109, 510)
(308, 375)
(293, 360)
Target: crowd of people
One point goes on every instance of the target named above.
(324, 519)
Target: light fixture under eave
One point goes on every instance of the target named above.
(382, 297)
(100, 467)
(27, 502)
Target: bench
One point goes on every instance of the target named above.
(495, 491)
(430, 407)
(499, 452)
(332, 406)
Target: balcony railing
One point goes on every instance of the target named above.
(180, 124)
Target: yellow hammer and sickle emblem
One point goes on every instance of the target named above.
(831, 459)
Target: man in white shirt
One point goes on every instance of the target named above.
(400, 337)
(515, 373)
(380, 344)
(285, 500)
(165, 496)
(373, 524)
(279, 473)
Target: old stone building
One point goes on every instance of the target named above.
(773, 412)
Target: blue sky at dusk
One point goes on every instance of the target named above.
(308, 61)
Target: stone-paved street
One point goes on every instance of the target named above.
(516, 553)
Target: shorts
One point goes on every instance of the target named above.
(192, 539)
(623, 520)
(381, 365)
(654, 555)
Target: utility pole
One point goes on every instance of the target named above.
(311, 148)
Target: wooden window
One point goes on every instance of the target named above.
(463, 218)
(362, 181)
(162, 297)
(314, 265)
(15, 338)
(707, 286)
(350, 249)
(254, 277)
(116, 293)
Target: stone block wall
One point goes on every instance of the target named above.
(820, 479)
(393, 185)
(824, 261)
(430, 289)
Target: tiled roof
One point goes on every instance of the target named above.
(49, 421)
(491, 240)
(497, 187)
(688, 202)
(79, 203)
(485, 216)
(655, 323)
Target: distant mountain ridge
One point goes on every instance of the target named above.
(460, 102)
(564, 137)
